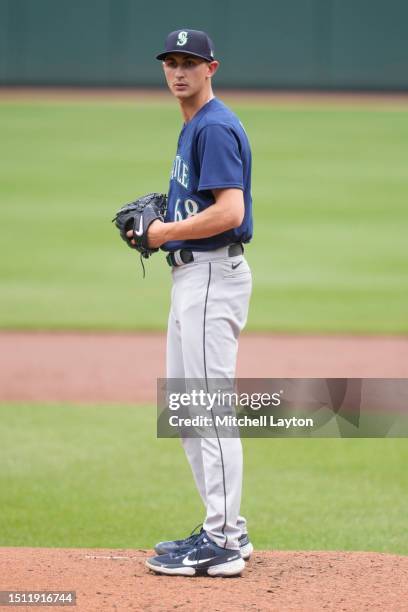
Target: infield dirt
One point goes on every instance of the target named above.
(273, 581)
(123, 368)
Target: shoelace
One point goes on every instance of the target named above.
(198, 545)
(194, 535)
(189, 540)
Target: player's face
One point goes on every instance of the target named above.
(187, 75)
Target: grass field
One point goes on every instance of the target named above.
(330, 189)
(98, 477)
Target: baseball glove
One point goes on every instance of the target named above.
(138, 216)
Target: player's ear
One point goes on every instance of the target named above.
(212, 67)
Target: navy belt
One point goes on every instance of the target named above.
(187, 256)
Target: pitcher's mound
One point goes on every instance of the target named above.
(272, 581)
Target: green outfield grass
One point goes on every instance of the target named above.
(330, 189)
(98, 477)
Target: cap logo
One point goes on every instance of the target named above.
(182, 39)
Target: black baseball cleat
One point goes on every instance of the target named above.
(177, 546)
(203, 558)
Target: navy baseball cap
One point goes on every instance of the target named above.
(193, 42)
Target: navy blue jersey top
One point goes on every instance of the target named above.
(213, 152)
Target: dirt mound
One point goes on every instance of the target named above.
(273, 581)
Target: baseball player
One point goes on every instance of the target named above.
(209, 217)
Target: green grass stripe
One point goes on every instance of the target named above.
(93, 476)
(330, 189)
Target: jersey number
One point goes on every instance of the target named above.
(185, 209)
